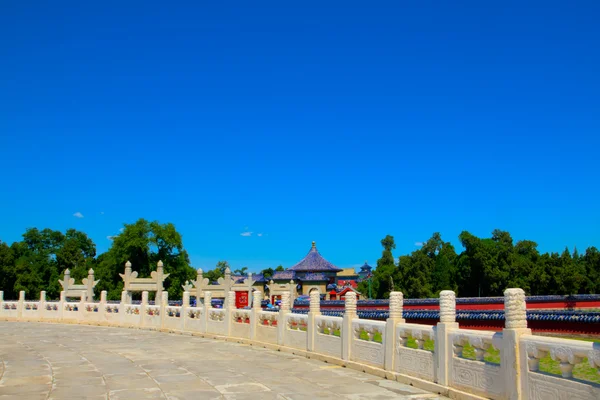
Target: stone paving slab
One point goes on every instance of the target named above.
(53, 361)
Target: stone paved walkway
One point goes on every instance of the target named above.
(51, 361)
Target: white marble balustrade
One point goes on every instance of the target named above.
(444, 358)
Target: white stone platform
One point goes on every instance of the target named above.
(59, 361)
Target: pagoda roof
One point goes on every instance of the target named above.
(314, 262)
(366, 267)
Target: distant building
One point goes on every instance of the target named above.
(365, 272)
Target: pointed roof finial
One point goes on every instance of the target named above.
(314, 245)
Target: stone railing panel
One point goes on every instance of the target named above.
(266, 326)
(216, 322)
(328, 338)
(475, 374)
(295, 331)
(415, 345)
(567, 353)
(367, 342)
(240, 326)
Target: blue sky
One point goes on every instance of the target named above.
(338, 123)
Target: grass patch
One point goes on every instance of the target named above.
(376, 337)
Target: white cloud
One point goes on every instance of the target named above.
(246, 234)
(419, 243)
(78, 215)
(111, 237)
(259, 234)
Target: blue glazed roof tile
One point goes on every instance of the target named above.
(314, 262)
(315, 276)
(281, 275)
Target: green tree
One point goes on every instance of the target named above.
(280, 268)
(241, 271)
(383, 275)
(144, 243)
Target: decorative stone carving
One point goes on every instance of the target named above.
(350, 304)
(72, 290)
(216, 315)
(195, 314)
(230, 300)
(285, 302)
(567, 359)
(534, 354)
(256, 300)
(515, 312)
(447, 306)
(315, 301)
(396, 304)
(208, 299)
(131, 282)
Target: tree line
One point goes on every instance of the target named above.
(486, 267)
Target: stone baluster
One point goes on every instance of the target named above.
(444, 349)
(207, 308)
(159, 282)
(513, 359)
(229, 311)
(395, 317)
(61, 304)
(594, 357)
(21, 305)
(123, 305)
(185, 305)
(164, 305)
(350, 313)
(198, 285)
(82, 300)
(256, 308)
(313, 311)
(102, 306)
(42, 306)
(284, 310)
(144, 308)
(90, 285)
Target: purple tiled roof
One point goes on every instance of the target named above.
(315, 276)
(280, 275)
(314, 262)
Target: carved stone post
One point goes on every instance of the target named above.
(350, 313)
(313, 310)
(284, 309)
(198, 284)
(513, 358)
(443, 346)
(90, 283)
(256, 308)
(164, 304)
(126, 279)
(66, 280)
(103, 295)
(185, 304)
(143, 308)
(207, 308)
(61, 304)
(227, 280)
(42, 306)
(123, 305)
(229, 304)
(395, 317)
(82, 300)
(159, 281)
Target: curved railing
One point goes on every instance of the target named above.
(512, 364)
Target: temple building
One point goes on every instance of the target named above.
(365, 272)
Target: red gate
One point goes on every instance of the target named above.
(241, 299)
